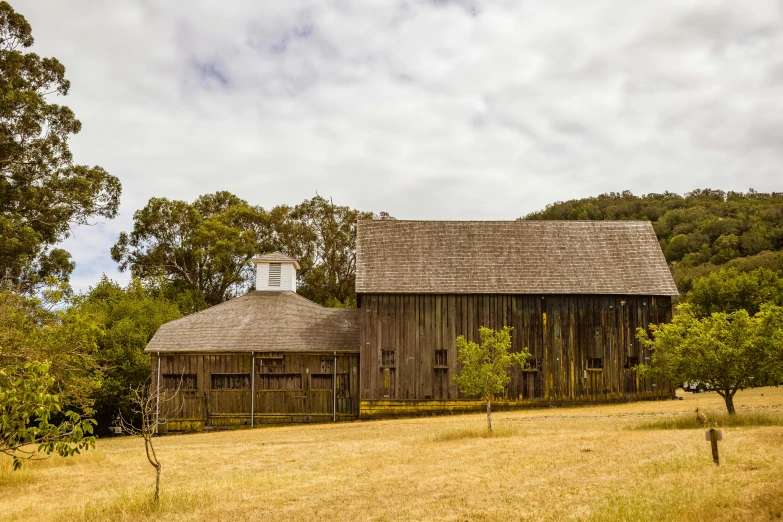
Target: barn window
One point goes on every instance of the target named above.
(321, 381)
(441, 358)
(274, 274)
(271, 364)
(387, 358)
(230, 381)
(595, 363)
(630, 362)
(181, 381)
(533, 364)
(279, 381)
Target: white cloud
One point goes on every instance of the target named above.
(439, 110)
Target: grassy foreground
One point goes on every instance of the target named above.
(589, 463)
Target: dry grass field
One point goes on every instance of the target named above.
(588, 463)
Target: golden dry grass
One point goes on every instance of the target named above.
(588, 463)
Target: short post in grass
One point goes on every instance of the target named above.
(714, 436)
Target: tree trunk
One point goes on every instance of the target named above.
(729, 398)
(489, 416)
(157, 484)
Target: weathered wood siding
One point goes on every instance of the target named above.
(408, 349)
(215, 390)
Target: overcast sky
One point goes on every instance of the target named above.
(428, 110)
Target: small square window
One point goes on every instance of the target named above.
(441, 358)
(388, 358)
(533, 364)
(595, 363)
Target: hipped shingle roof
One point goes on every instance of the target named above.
(276, 257)
(262, 321)
(511, 257)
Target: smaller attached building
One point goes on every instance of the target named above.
(268, 356)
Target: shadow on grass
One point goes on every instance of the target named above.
(720, 420)
(476, 433)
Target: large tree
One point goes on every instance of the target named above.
(727, 351)
(324, 243)
(42, 192)
(202, 249)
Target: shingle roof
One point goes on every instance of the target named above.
(511, 257)
(276, 257)
(262, 321)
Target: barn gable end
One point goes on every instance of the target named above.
(574, 293)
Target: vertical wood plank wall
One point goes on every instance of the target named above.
(308, 396)
(562, 331)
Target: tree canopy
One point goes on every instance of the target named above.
(700, 232)
(726, 351)
(128, 318)
(42, 192)
(28, 412)
(204, 250)
(729, 290)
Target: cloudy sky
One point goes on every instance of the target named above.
(425, 109)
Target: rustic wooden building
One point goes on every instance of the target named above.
(573, 291)
(269, 356)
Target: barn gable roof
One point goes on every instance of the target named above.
(511, 257)
(262, 321)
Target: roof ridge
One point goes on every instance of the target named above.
(520, 221)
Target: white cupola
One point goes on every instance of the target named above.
(276, 272)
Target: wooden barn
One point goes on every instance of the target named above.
(270, 356)
(573, 291)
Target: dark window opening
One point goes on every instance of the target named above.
(181, 381)
(271, 361)
(533, 364)
(441, 358)
(274, 274)
(230, 381)
(279, 381)
(387, 358)
(270, 365)
(630, 362)
(595, 363)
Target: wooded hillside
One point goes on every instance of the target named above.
(700, 232)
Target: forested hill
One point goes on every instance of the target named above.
(700, 232)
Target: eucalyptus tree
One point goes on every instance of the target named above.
(43, 194)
